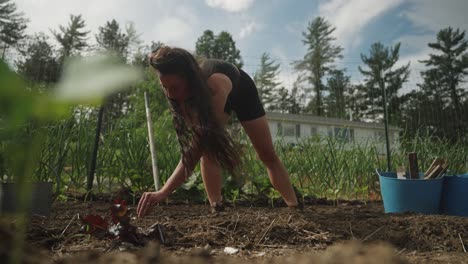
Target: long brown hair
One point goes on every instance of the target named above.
(207, 136)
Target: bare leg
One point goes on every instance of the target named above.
(259, 134)
(212, 179)
(212, 173)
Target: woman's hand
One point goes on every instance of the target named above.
(148, 201)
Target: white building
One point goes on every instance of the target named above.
(292, 128)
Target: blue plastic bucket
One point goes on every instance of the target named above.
(455, 195)
(410, 195)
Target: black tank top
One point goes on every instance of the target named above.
(212, 66)
(243, 98)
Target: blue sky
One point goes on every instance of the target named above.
(273, 26)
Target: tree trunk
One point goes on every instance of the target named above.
(318, 98)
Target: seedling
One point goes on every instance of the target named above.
(120, 227)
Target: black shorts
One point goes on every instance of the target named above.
(244, 99)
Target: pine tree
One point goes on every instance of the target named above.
(265, 80)
(39, 63)
(356, 102)
(448, 69)
(220, 46)
(111, 38)
(289, 101)
(338, 86)
(205, 44)
(73, 37)
(134, 41)
(319, 59)
(12, 26)
(380, 72)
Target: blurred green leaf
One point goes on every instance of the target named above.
(15, 100)
(90, 79)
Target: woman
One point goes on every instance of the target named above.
(202, 98)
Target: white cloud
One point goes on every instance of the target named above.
(230, 5)
(171, 30)
(418, 51)
(248, 29)
(350, 16)
(178, 28)
(180, 23)
(158, 20)
(287, 75)
(40, 13)
(414, 59)
(415, 42)
(295, 28)
(436, 14)
(415, 67)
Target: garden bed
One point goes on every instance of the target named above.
(258, 233)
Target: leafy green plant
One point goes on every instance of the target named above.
(235, 194)
(54, 151)
(108, 170)
(80, 149)
(429, 147)
(272, 196)
(23, 111)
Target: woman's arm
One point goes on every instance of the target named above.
(149, 199)
(180, 174)
(220, 86)
(176, 179)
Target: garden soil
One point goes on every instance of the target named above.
(323, 232)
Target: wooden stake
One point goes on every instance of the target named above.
(433, 174)
(438, 167)
(413, 165)
(461, 240)
(151, 143)
(444, 166)
(431, 168)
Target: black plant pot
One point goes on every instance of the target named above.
(40, 200)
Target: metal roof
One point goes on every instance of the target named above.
(316, 120)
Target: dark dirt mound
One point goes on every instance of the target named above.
(258, 231)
